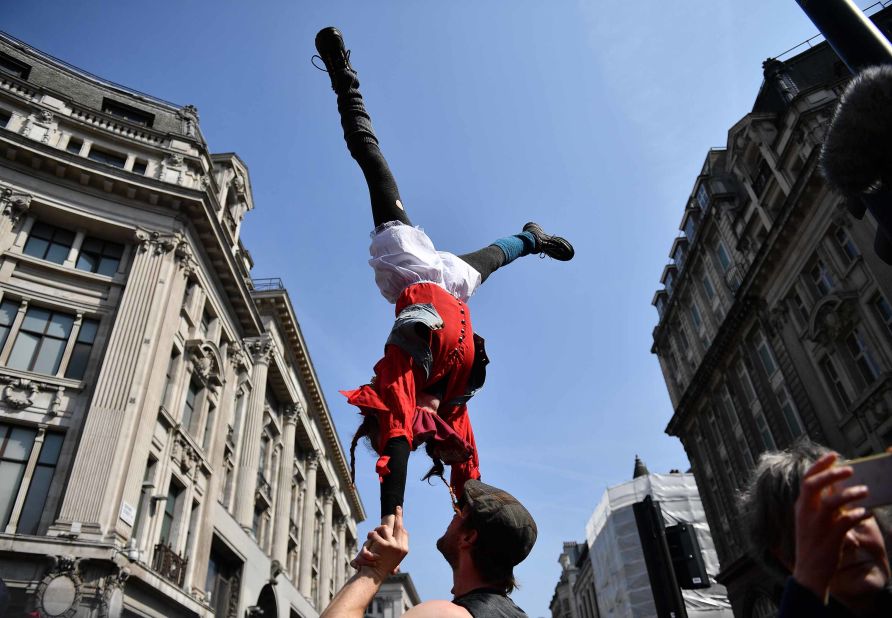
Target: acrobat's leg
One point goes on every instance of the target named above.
(357, 124)
(532, 240)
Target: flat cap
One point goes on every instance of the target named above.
(506, 525)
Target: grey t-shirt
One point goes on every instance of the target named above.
(487, 603)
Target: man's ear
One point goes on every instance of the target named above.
(468, 538)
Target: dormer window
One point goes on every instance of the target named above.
(703, 196)
(11, 66)
(130, 114)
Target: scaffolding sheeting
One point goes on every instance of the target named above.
(621, 581)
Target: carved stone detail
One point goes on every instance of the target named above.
(207, 362)
(292, 411)
(159, 242)
(260, 348)
(183, 454)
(188, 114)
(62, 581)
(20, 393)
(14, 203)
(238, 358)
(833, 318)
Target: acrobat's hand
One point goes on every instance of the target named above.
(386, 547)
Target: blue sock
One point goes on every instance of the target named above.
(516, 246)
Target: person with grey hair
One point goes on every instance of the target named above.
(832, 551)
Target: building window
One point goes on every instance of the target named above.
(722, 254)
(690, 227)
(39, 488)
(190, 403)
(8, 311)
(708, 287)
(884, 310)
(667, 282)
(703, 196)
(47, 242)
(820, 276)
(15, 449)
(14, 67)
(208, 428)
(862, 356)
(108, 157)
(41, 341)
(837, 387)
(847, 247)
(763, 349)
(74, 145)
(83, 346)
(99, 256)
(696, 318)
(746, 384)
(764, 432)
(130, 114)
(222, 579)
(790, 414)
(799, 305)
(140, 166)
(762, 177)
(170, 511)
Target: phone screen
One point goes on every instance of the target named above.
(874, 471)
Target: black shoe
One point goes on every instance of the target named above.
(336, 58)
(552, 246)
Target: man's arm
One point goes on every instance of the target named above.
(390, 549)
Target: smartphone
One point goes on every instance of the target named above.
(875, 471)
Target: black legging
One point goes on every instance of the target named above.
(386, 207)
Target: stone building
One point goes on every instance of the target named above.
(574, 594)
(165, 447)
(774, 317)
(396, 596)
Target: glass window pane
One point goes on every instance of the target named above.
(10, 479)
(87, 262)
(113, 249)
(50, 355)
(57, 253)
(35, 320)
(52, 444)
(77, 364)
(42, 230)
(4, 332)
(92, 245)
(36, 499)
(63, 237)
(23, 351)
(8, 309)
(88, 330)
(36, 247)
(60, 325)
(18, 447)
(108, 266)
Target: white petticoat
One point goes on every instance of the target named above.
(403, 255)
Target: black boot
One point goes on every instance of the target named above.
(336, 57)
(552, 246)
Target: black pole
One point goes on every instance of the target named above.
(854, 38)
(668, 600)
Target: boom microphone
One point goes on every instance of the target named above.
(856, 158)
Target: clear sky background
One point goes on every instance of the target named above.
(590, 117)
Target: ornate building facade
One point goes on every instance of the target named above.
(165, 447)
(775, 315)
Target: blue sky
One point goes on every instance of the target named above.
(592, 118)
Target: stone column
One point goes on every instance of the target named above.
(283, 490)
(94, 490)
(261, 348)
(305, 577)
(341, 529)
(326, 559)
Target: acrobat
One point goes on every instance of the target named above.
(433, 360)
